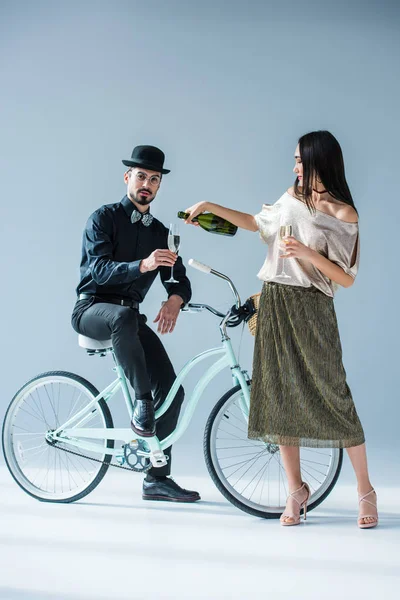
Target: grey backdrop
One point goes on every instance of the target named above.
(225, 89)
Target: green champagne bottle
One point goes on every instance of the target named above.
(212, 223)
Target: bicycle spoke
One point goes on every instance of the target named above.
(41, 469)
(231, 434)
(238, 428)
(72, 411)
(40, 408)
(315, 451)
(64, 459)
(237, 447)
(310, 467)
(283, 474)
(30, 414)
(238, 455)
(35, 447)
(311, 475)
(250, 466)
(263, 469)
(243, 462)
(36, 455)
(315, 462)
(28, 433)
(262, 478)
(231, 415)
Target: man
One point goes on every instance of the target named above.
(124, 248)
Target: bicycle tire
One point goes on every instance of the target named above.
(219, 483)
(7, 450)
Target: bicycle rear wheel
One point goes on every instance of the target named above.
(43, 469)
(250, 473)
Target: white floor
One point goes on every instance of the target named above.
(112, 545)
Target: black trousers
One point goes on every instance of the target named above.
(142, 357)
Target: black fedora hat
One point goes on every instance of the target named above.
(148, 157)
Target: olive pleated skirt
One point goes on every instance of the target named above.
(299, 394)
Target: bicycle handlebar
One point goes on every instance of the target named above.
(206, 269)
(199, 307)
(236, 315)
(199, 266)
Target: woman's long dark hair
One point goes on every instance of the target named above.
(322, 156)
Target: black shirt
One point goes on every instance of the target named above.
(112, 248)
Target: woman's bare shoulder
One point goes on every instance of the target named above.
(345, 212)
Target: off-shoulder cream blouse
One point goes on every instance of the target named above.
(335, 239)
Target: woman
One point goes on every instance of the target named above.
(299, 393)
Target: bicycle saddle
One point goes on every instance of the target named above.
(91, 344)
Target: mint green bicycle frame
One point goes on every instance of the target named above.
(73, 433)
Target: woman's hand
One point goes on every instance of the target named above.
(195, 210)
(295, 249)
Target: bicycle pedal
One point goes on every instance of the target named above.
(158, 458)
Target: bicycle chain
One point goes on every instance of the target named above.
(103, 462)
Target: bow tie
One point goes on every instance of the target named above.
(146, 218)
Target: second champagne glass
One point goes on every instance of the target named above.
(174, 242)
(284, 232)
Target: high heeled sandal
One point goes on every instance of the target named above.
(374, 504)
(302, 504)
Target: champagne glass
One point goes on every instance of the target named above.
(174, 242)
(284, 231)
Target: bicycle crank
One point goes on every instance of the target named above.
(133, 454)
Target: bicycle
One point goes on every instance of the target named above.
(59, 439)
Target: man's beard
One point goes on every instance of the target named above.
(144, 201)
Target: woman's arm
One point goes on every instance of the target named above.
(295, 249)
(240, 219)
(331, 270)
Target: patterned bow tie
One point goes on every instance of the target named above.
(146, 218)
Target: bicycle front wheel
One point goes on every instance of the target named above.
(250, 473)
(42, 469)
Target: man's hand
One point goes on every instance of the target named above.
(168, 314)
(158, 258)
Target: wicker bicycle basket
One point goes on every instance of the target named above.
(252, 322)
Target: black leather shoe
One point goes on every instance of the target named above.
(167, 490)
(143, 421)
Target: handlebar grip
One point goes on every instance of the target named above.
(198, 265)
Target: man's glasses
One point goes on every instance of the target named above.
(142, 177)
